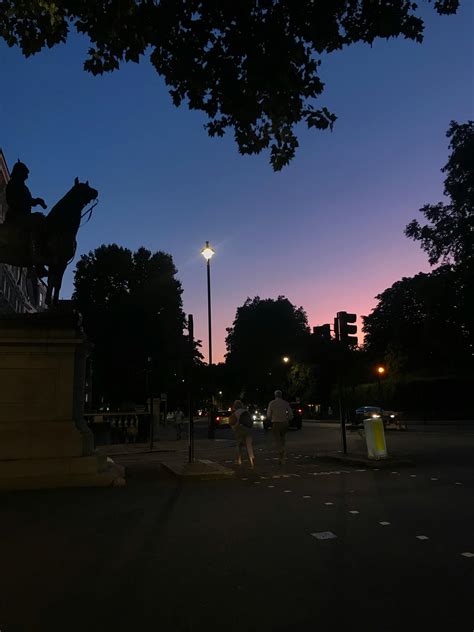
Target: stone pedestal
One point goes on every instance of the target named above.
(44, 440)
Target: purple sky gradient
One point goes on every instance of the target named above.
(327, 231)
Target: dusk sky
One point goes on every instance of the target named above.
(326, 232)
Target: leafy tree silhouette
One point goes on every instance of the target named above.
(251, 66)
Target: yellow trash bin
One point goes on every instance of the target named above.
(375, 438)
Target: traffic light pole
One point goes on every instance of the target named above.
(342, 415)
(342, 408)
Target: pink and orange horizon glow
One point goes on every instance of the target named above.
(326, 232)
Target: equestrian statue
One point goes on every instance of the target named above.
(44, 244)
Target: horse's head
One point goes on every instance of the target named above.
(84, 192)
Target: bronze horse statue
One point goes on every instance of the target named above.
(50, 240)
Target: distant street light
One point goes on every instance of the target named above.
(207, 252)
(380, 370)
(286, 359)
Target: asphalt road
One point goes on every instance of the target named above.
(243, 554)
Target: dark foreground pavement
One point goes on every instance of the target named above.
(240, 554)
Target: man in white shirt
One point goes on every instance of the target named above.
(280, 414)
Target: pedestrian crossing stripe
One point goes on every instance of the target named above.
(324, 535)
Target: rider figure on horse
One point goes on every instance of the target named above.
(20, 202)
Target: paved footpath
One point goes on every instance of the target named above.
(310, 546)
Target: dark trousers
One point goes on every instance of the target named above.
(280, 429)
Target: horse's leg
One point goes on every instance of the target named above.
(49, 289)
(58, 282)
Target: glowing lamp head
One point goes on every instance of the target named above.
(207, 252)
(286, 359)
(380, 370)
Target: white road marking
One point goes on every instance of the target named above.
(412, 475)
(384, 523)
(256, 482)
(458, 483)
(306, 496)
(287, 491)
(329, 503)
(270, 486)
(422, 537)
(433, 479)
(245, 479)
(324, 535)
(330, 472)
(361, 470)
(467, 554)
(394, 472)
(353, 511)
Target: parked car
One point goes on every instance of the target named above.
(298, 411)
(375, 412)
(222, 418)
(296, 422)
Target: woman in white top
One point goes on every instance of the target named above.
(243, 433)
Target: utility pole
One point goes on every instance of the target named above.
(190, 388)
(150, 395)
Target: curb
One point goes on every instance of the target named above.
(353, 459)
(201, 470)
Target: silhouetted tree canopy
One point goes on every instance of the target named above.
(263, 332)
(132, 309)
(422, 323)
(449, 235)
(251, 66)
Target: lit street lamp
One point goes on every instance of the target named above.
(380, 370)
(286, 359)
(207, 252)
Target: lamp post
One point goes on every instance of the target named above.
(380, 370)
(207, 252)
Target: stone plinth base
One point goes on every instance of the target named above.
(44, 440)
(83, 471)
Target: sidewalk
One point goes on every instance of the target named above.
(314, 443)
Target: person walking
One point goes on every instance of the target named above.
(241, 423)
(280, 414)
(178, 422)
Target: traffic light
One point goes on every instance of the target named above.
(346, 329)
(323, 332)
